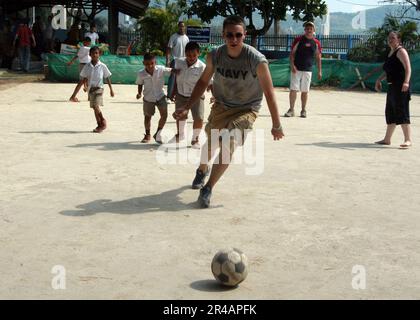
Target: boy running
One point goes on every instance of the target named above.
(152, 77)
(189, 71)
(94, 74)
(84, 58)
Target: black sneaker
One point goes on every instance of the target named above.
(204, 197)
(200, 176)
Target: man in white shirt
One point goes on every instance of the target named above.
(176, 49)
(152, 78)
(93, 35)
(94, 74)
(189, 71)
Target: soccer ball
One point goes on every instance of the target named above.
(230, 266)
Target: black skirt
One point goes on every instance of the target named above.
(397, 108)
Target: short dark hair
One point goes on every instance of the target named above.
(94, 48)
(87, 39)
(191, 46)
(148, 56)
(234, 20)
(179, 22)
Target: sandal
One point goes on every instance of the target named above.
(290, 113)
(74, 99)
(155, 136)
(405, 145)
(382, 142)
(146, 138)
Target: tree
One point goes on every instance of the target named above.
(160, 22)
(376, 48)
(407, 7)
(305, 10)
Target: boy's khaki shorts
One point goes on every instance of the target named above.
(222, 117)
(197, 110)
(95, 97)
(149, 107)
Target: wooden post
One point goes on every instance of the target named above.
(113, 26)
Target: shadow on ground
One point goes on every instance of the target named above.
(46, 100)
(55, 132)
(111, 146)
(165, 201)
(346, 145)
(210, 286)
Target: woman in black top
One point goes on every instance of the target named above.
(397, 72)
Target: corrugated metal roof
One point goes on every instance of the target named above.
(130, 7)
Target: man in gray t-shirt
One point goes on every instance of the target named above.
(240, 77)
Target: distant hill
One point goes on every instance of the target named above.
(340, 22)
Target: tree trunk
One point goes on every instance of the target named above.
(254, 40)
(276, 27)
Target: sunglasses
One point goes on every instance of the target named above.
(231, 35)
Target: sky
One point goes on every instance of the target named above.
(352, 5)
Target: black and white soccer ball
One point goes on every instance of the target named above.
(230, 266)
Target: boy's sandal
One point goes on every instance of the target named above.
(405, 145)
(74, 99)
(146, 138)
(159, 141)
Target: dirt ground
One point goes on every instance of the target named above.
(125, 225)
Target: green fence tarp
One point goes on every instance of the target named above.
(343, 73)
(340, 73)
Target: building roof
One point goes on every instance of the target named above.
(130, 7)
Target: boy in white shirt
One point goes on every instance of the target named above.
(93, 35)
(189, 71)
(152, 77)
(84, 58)
(94, 74)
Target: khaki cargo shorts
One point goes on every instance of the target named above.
(197, 110)
(149, 107)
(222, 117)
(95, 97)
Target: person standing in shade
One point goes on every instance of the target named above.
(24, 35)
(38, 31)
(49, 35)
(397, 73)
(304, 49)
(176, 49)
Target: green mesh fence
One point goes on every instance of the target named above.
(338, 73)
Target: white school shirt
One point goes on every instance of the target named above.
(95, 74)
(153, 84)
(188, 76)
(177, 44)
(94, 37)
(83, 54)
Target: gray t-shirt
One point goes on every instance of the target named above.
(235, 81)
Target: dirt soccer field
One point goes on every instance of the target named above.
(330, 215)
